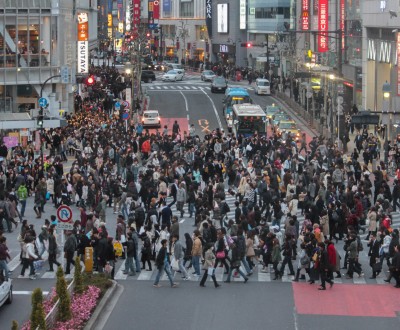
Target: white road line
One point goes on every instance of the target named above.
(213, 105)
(158, 87)
(185, 87)
(14, 263)
(209, 88)
(193, 87)
(151, 87)
(119, 275)
(186, 102)
(144, 275)
(165, 87)
(28, 292)
(179, 87)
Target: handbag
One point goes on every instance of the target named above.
(175, 264)
(377, 267)
(220, 255)
(47, 196)
(108, 268)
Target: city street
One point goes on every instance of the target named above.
(234, 306)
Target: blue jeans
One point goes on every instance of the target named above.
(124, 210)
(137, 262)
(246, 265)
(3, 266)
(23, 206)
(129, 265)
(167, 269)
(230, 273)
(191, 209)
(196, 264)
(182, 268)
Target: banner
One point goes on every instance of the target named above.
(398, 63)
(83, 43)
(156, 9)
(323, 25)
(167, 7)
(209, 17)
(305, 15)
(136, 16)
(242, 14)
(150, 17)
(342, 18)
(222, 13)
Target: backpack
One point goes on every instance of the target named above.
(305, 260)
(241, 246)
(360, 246)
(225, 208)
(118, 249)
(335, 216)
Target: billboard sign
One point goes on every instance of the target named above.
(323, 26)
(222, 12)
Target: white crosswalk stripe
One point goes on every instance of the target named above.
(258, 275)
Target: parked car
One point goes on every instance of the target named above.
(172, 75)
(6, 293)
(151, 118)
(219, 84)
(207, 75)
(148, 76)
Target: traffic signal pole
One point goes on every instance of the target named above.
(41, 116)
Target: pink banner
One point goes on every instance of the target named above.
(323, 26)
(10, 141)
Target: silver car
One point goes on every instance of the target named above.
(207, 75)
(172, 75)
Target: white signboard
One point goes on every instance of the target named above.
(83, 56)
(242, 14)
(222, 12)
(65, 226)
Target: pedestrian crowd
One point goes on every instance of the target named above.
(143, 175)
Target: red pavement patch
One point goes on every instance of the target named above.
(347, 300)
(183, 124)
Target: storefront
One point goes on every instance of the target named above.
(224, 53)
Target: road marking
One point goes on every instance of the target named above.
(213, 105)
(182, 221)
(14, 263)
(119, 275)
(203, 123)
(158, 87)
(186, 87)
(186, 102)
(26, 293)
(165, 87)
(179, 87)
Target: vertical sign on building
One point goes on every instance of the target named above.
(342, 17)
(156, 9)
(242, 15)
(150, 13)
(305, 15)
(398, 63)
(167, 7)
(323, 26)
(83, 43)
(128, 11)
(136, 16)
(209, 17)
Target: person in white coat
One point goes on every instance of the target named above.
(50, 186)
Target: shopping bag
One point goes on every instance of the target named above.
(210, 271)
(118, 249)
(175, 264)
(38, 265)
(108, 268)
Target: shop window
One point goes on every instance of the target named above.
(187, 9)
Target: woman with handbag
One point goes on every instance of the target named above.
(209, 260)
(52, 250)
(221, 252)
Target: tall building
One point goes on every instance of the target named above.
(37, 39)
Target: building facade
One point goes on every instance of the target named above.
(37, 38)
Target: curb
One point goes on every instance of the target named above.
(104, 307)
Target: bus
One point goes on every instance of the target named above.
(234, 95)
(247, 119)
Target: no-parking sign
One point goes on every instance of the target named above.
(64, 213)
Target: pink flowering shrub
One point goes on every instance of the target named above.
(82, 306)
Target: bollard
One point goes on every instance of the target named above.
(88, 259)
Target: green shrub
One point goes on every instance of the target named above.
(64, 308)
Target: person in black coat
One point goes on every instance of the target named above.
(373, 254)
(324, 266)
(163, 264)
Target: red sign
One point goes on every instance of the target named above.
(305, 15)
(398, 63)
(323, 26)
(83, 27)
(156, 9)
(342, 17)
(136, 15)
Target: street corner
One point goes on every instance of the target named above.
(347, 300)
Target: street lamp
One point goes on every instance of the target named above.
(129, 70)
(386, 91)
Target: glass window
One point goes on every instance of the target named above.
(187, 9)
(272, 12)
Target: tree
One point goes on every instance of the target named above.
(14, 325)
(64, 307)
(78, 279)
(38, 317)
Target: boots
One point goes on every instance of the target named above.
(296, 279)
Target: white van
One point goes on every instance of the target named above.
(174, 66)
(263, 87)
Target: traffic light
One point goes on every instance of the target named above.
(148, 35)
(246, 44)
(40, 118)
(90, 81)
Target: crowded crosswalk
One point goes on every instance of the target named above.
(258, 275)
